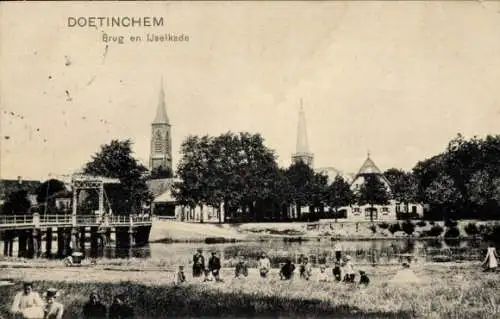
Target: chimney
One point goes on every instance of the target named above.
(19, 180)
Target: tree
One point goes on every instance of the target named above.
(443, 193)
(235, 170)
(403, 186)
(17, 203)
(46, 193)
(339, 194)
(115, 160)
(161, 172)
(373, 192)
(301, 178)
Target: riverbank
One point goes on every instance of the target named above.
(444, 291)
(166, 231)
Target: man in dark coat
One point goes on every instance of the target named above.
(214, 266)
(94, 308)
(198, 264)
(287, 270)
(119, 309)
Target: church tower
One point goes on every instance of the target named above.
(302, 152)
(161, 139)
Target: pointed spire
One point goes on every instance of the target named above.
(302, 142)
(369, 167)
(161, 111)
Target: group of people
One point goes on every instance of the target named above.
(29, 305)
(342, 270)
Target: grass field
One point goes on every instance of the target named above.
(445, 291)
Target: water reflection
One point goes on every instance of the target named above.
(322, 251)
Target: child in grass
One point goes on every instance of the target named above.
(241, 269)
(490, 262)
(337, 272)
(286, 272)
(94, 308)
(363, 280)
(264, 265)
(305, 269)
(27, 301)
(180, 276)
(322, 276)
(348, 270)
(53, 309)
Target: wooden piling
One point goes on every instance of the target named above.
(83, 235)
(61, 246)
(22, 241)
(48, 242)
(94, 242)
(30, 246)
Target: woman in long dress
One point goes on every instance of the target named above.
(490, 262)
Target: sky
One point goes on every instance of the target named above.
(397, 79)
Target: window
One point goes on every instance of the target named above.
(158, 142)
(355, 209)
(385, 209)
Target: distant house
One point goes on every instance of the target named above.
(164, 204)
(391, 211)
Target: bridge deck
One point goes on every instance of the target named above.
(11, 222)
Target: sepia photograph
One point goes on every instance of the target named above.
(249, 159)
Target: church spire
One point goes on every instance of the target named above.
(302, 142)
(302, 152)
(161, 111)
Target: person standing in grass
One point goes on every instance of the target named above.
(198, 264)
(286, 272)
(179, 276)
(53, 309)
(119, 309)
(264, 265)
(337, 248)
(241, 268)
(94, 308)
(490, 262)
(214, 266)
(27, 301)
(305, 269)
(348, 270)
(337, 271)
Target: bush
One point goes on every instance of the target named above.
(450, 223)
(408, 227)
(452, 232)
(383, 225)
(471, 229)
(422, 223)
(435, 231)
(394, 228)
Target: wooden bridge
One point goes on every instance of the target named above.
(36, 221)
(72, 231)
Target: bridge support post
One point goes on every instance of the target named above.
(38, 240)
(31, 245)
(94, 241)
(48, 242)
(61, 247)
(8, 242)
(21, 251)
(83, 234)
(130, 241)
(142, 235)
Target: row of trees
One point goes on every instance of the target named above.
(239, 172)
(463, 181)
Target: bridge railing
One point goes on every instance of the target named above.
(16, 219)
(36, 220)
